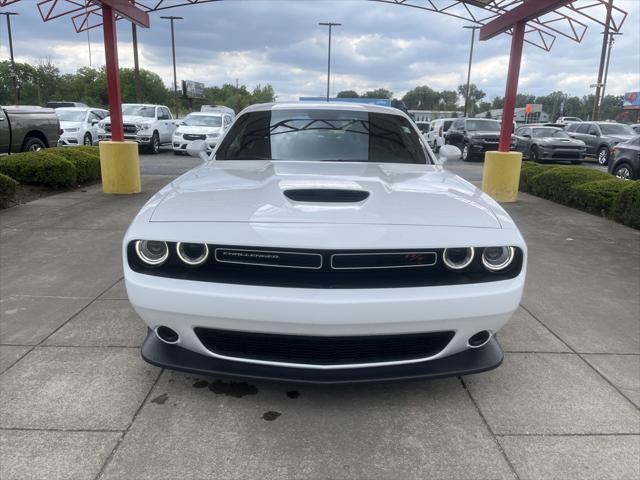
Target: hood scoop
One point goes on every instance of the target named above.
(326, 195)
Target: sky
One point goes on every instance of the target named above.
(378, 46)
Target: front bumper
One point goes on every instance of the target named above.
(139, 139)
(177, 358)
(482, 147)
(558, 154)
(180, 144)
(69, 140)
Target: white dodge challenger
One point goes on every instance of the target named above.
(323, 243)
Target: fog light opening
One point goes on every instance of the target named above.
(167, 335)
(480, 339)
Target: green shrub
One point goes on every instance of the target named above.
(626, 206)
(87, 162)
(556, 183)
(7, 188)
(598, 196)
(40, 167)
(528, 171)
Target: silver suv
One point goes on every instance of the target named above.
(600, 137)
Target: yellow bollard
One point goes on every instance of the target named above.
(120, 167)
(501, 175)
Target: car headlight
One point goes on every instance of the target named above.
(495, 259)
(213, 135)
(101, 124)
(192, 253)
(177, 131)
(476, 140)
(152, 252)
(458, 258)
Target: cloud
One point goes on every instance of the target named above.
(378, 45)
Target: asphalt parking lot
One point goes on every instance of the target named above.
(77, 401)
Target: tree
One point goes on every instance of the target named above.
(378, 93)
(347, 94)
(422, 98)
(475, 95)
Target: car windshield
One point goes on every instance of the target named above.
(323, 135)
(71, 115)
(483, 126)
(139, 111)
(549, 132)
(202, 121)
(616, 129)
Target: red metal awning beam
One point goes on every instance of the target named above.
(113, 72)
(126, 9)
(529, 10)
(511, 91)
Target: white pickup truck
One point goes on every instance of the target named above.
(149, 125)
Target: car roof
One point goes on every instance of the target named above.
(84, 109)
(354, 107)
(212, 113)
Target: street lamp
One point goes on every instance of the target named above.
(473, 29)
(13, 63)
(173, 52)
(330, 25)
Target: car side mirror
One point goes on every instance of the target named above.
(449, 152)
(198, 148)
(525, 135)
(94, 123)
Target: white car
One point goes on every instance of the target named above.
(207, 126)
(323, 243)
(79, 125)
(435, 133)
(151, 126)
(568, 120)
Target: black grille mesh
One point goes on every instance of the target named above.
(321, 350)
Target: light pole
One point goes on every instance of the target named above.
(14, 78)
(596, 99)
(606, 67)
(173, 53)
(330, 25)
(473, 29)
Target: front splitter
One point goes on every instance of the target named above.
(467, 362)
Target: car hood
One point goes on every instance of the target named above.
(197, 130)
(621, 138)
(484, 134)
(560, 142)
(254, 191)
(131, 119)
(66, 125)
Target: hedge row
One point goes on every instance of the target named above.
(53, 167)
(587, 189)
(7, 189)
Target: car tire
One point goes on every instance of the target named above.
(603, 156)
(624, 170)
(154, 144)
(87, 141)
(466, 153)
(32, 144)
(534, 156)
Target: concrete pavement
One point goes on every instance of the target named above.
(76, 400)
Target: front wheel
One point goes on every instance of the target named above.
(465, 152)
(623, 171)
(87, 141)
(534, 156)
(32, 144)
(154, 145)
(603, 156)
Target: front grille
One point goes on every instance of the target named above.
(321, 350)
(107, 128)
(335, 269)
(130, 128)
(191, 136)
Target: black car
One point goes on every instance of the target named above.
(600, 137)
(539, 143)
(626, 160)
(473, 136)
